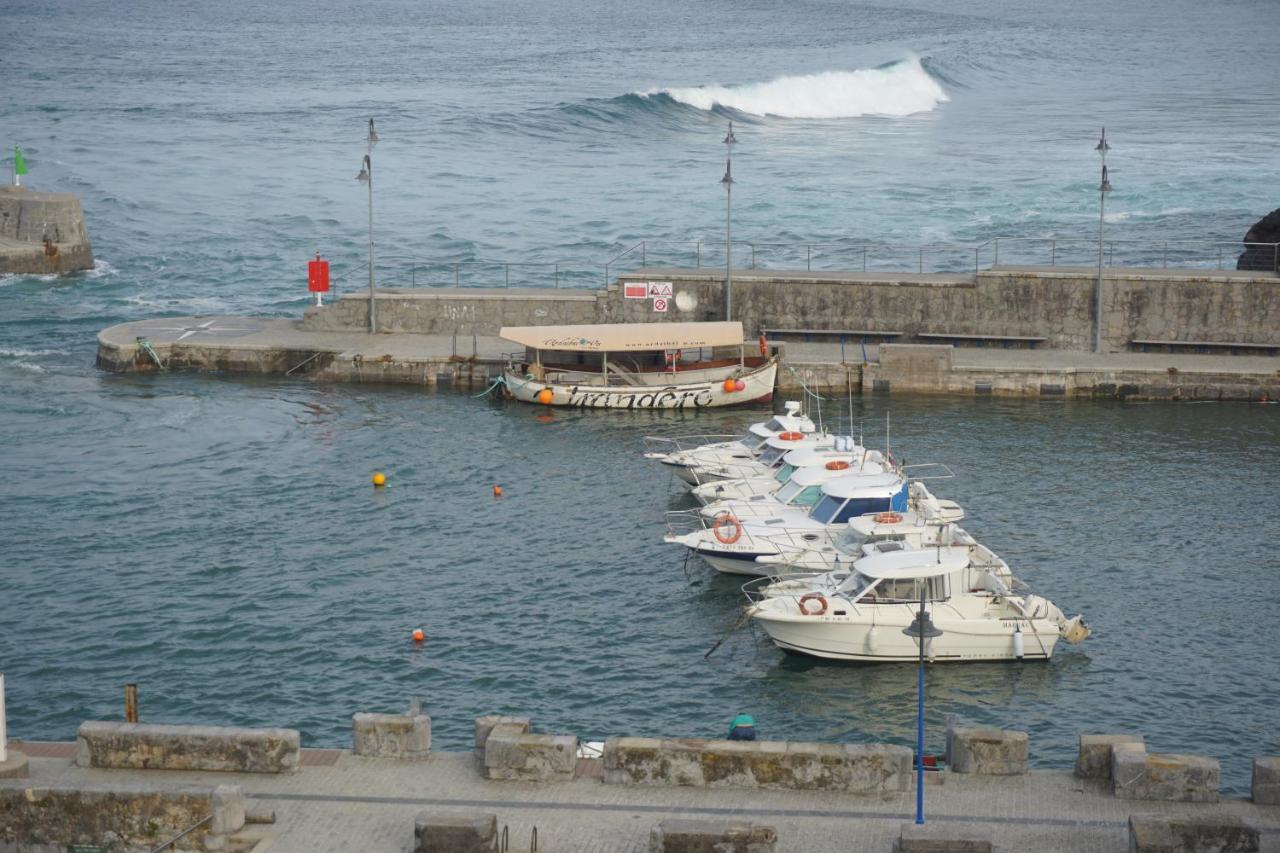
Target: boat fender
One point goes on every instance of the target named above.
(764, 345)
(1017, 642)
(726, 528)
(812, 611)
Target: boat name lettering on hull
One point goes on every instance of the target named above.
(659, 398)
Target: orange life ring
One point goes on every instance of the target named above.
(790, 436)
(837, 465)
(726, 520)
(813, 596)
(888, 518)
(764, 345)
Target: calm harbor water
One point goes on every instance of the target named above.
(217, 541)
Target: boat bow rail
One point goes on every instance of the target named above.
(658, 446)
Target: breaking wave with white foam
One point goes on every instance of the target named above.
(899, 89)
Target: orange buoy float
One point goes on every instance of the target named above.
(379, 479)
(418, 635)
(545, 396)
(497, 490)
(837, 465)
(813, 596)
(726, 528)
(791, 436)
(888, 518)
(730, 385)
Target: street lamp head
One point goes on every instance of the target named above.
(922, 627)
(727, 180)
(730, 139)
(1102, 147)
(366, 170)
(1105, 186)
(373, 135)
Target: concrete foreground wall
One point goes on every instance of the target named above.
(1054, 304)
(28, 218)
(856, 768)
(41, 820)
(141, 746)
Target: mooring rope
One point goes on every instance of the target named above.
(501, 380)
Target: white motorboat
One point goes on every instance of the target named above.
(771, 457)
(933, 521)
(798, 495)
(862, 617)
(685, 452)
(731, 545)
(739, 488)
(637, 366)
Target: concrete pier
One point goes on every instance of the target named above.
(42, 232)
(339, 801)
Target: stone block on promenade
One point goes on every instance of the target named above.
(403, 736)
(15, 766)
(943, 838)
(1266, 781)
(853, 768)
(986, 752)
(711, 836)
(484, 725)
(1158, 776)
(1192, 834)
(1093, 761)
(455, 833)
(510, 753)
(149, 746)
(228, 809)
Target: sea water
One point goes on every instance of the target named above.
(217, 541)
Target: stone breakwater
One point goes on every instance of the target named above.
(42, 233)
(242, 789)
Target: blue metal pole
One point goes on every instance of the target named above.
(920, 723)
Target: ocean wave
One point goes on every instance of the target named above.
(31, 353)
(898, 89)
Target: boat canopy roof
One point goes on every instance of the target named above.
(805, 457)
(905, 565)
(626, 337)
(857, 485)
(867, 524)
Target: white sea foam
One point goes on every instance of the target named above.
(900, 89)
(31, 353)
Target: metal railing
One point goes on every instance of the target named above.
(830, 256)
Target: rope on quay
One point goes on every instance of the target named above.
(501, 380)
(806, 388)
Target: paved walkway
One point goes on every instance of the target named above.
(340, 802)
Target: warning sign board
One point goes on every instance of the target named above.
(635, 290)
(660, 289)
(660, 305)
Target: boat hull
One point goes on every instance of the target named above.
(846, 638)
(675, 395)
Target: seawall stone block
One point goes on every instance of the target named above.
(51, 818)
(1093, 761)
(455, 833)
(943, 838)
(513, 754)
(1266, 781)
(709, 836)
(486, 724)
(403, 736)
(855, 768)
(1159, 776)
(142, 746)
(1192, 834)
(986, 751)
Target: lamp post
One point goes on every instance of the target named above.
(366, 175)
(727, 180)
(1103, 188)
(921, 629)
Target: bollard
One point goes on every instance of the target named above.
(131, 703)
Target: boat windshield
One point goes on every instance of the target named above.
(751, 441)
(850, 542)
(771, 456)
(784, 473)
(833, 510)
(798, 495)
(908, 589)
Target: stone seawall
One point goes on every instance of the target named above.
(1053, 305)
(28, 219)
